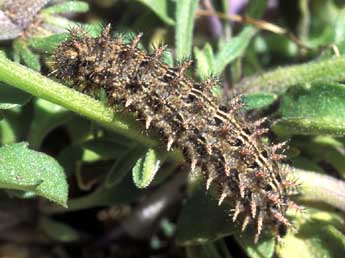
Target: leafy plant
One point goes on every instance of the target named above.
(108, 162)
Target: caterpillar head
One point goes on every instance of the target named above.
(74, 58)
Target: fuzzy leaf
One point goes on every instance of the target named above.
(28, 170)
(317, 236)
(204, 60)
(30, 59)
(185, 14)
(258, 100)
(67, 7)
(232, 49)
(313, 109)
(146, 168)
(48, 44)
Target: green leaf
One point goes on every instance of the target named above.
(11, 97)
(256, 9)
(20, 194)
(47, 116)
(313, 109)
(58, 231)
(232, 49)
(185, 14)
(28, 170)
(58, 21)
(123, 193)
(340, 27)
(15, 125)
(47, 44)
(67, 7)
(160, 8)
(168, 58)
(30, 59)
(102, 149)
(324, 148)
(212, 220)
(280, 79)
(259, 100)
(123, 165)
(69, 157)
(263, 249)
(146, 168)
(204, 60)
(316, 237)
(79, 129)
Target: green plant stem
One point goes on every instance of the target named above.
(34, 83)
(280, 79)
(316, 187)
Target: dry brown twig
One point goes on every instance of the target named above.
(261, 24)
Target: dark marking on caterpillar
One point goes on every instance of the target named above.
(216, 140)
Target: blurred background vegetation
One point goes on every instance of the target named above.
(115, 195)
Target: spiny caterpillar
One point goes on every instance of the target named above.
(215, 139)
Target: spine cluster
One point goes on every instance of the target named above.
(215, 140)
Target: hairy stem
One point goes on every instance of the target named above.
(34, 83)
(280, 79)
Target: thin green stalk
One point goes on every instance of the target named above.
(34, 83)
(280, 79)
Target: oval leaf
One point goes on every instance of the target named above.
(11, 97)
(200, 209)
(313, 109)
(145, 169)
(123, 165)
(185, 13)
(258, 100)
(232, 49)
(30, 59)
(28, 170)
(317, 236)
(67, 7)
(204, 60)
(47, 44)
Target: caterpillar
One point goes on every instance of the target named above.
(215, 139)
